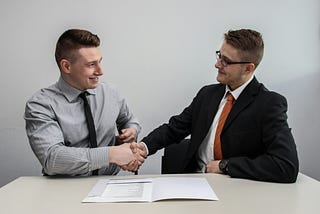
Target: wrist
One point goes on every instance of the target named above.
(223, 166)
(145, 147)
(110, 154)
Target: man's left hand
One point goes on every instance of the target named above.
(213, 167)
(128, 135)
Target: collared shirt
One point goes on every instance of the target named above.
(58, 133)
(205, 152)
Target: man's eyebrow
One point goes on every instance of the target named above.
(225, 57)
(94, 61)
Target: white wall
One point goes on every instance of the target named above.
(159, 53)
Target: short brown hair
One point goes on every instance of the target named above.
(72, 40)
(248, 42)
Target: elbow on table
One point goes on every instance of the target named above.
(290, 173)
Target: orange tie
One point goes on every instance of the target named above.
(224, 114)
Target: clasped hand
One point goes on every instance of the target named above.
(140, 153)
(129, 155)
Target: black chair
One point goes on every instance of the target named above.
(174, 157)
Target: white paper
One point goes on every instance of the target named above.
(182, 188)
(125, 192)
(150, 189)
(120, 190)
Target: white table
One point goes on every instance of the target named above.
(47, 195)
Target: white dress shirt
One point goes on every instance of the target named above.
(205, 152)
(58, 133)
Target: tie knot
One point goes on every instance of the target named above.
(230, 98)
(83, 95)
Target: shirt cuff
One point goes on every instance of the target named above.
(99, 157)
(145, 147)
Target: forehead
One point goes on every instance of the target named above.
(229, 51)
(90, 53)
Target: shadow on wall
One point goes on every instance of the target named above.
(304, 119)
(17, 158)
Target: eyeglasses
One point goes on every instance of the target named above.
(225, 62)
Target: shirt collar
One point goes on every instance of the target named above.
(70, 92)
(236, 93)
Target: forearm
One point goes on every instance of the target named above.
(74, 161)
(57, 156)
(264, 168)
(165, 135)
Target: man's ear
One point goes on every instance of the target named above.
(250, 67)
(65, 66)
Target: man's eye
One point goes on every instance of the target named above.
(225, 60)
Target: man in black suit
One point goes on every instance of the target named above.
(256, 141)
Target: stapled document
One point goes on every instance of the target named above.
(151, 189)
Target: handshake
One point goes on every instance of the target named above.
(129, 156)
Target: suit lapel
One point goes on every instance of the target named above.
(246, 97)
(210, 106)
(209, 111)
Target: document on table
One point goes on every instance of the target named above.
(150, 189)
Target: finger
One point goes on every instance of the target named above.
(123, 134)
(122, 137)
(128, 134)
(130, 166)
(134, 147)
(142, 152)
(140, 155)
(142, 147)
(128, 139)
(140, 160)
(133, 166)
(119, 139)
(124, 167)
(136, 168)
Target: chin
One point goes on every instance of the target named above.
(221, 80)
(92, 86)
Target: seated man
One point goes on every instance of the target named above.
(71, 125)
(238, 127)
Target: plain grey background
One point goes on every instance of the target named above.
(159, 53)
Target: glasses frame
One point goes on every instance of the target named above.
(225, 63)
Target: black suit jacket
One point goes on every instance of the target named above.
(255, 138)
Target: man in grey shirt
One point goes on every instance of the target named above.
(56, 123)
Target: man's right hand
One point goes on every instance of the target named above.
(127, 153)
(140, 152)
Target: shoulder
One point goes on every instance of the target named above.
(270, 101)
(44, 95)
(211, 88)
(262, 93)
(271, 96)
(42, 100)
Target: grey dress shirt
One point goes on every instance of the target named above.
(58, 133)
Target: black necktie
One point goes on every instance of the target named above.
(90, 124)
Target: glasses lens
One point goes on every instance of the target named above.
(218, 55)
(219, 58)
